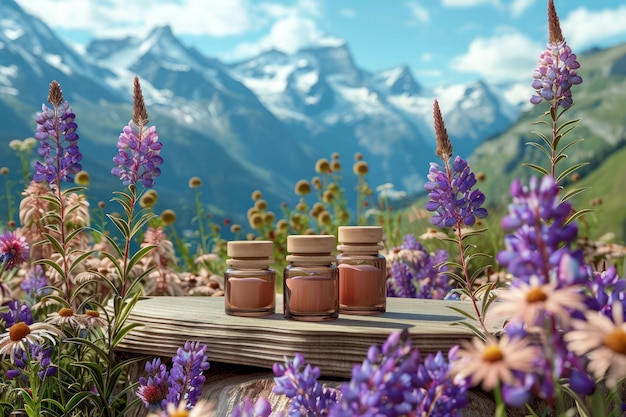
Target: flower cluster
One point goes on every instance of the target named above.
(297, 380)
(542, 236)
(392, 381)
(14, 250)
(557, 68)
(450, 188)
(56, 132)
(183, 382)
(261, 408)
(415, 273)
(138, 159)
(38, 356)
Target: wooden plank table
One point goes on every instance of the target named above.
(335, 346)
(242, 350)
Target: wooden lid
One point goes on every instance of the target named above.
(360, 234)
(250, 248)
(302, 244)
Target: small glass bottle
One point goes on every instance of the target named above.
(311, 280)
(362, 270)
(250, 283)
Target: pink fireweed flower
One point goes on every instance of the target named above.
(604, 342)
(19, 335)
(530, 301)
(493, 362)
(14, 250)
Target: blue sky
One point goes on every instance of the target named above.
(443, 41)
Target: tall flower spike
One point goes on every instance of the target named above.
(56, 130)
(140, 114)
(557, 68)
(139, 147)
(553, 24)
(444, 147)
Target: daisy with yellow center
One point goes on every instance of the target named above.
(66, 316)
(492, 362)
(528, 301)
(603, 341)
(20, 334)
(93, 319)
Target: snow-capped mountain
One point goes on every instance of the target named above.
(260, 124)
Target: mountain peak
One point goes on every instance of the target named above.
(397, 81)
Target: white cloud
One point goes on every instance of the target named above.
(518, 7)
(467, 3)
(295, 29)
(420, 13)
(507, 55)
(193, 17)
(583, 27)
(427, 57)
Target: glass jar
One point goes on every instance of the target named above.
(311, 280)
(362, 270)
(249, 282)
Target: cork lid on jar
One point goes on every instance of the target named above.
(250, 253)
(360, 238)
(316, 248)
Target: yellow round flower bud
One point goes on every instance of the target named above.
(256, 220)
(260, 205)
(282, 225)
(4, 171)
(322, 166)
(324, 218)
(358, 156)
(256, 194)
(195, 182)
(269, 217)
(334, 155)
(168, 216)
(317, 183)
(235, 228)
(360, 168)
(82, 178)
(301, 207)
(309, 232)
(302, 187)
(335, 166)
(328, 196)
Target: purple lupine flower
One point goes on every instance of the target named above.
(14, 250)
(297, 380)
(154, 386)
(56, 132)
(557, 68)
(606, 288)
(439, 395)
(542, 236)
(138, 159)
(185, 379)
(18, 312)
(261, 408)
(415, 273)
(35, 282)
(391, 381)
(37, 354)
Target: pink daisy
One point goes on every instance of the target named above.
(603, 341)
(528, 301)
(492, 362)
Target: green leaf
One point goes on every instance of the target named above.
(536, 167)
(574, 142)
(577, 214)
(137, 257)
(53, 265)
(121, 225)
(544, 138)
(541, 148)
(566, 124)
(58, 247)
(570, 170)
(470, 326)
(573, 192)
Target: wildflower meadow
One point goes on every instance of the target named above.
(72, 271)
